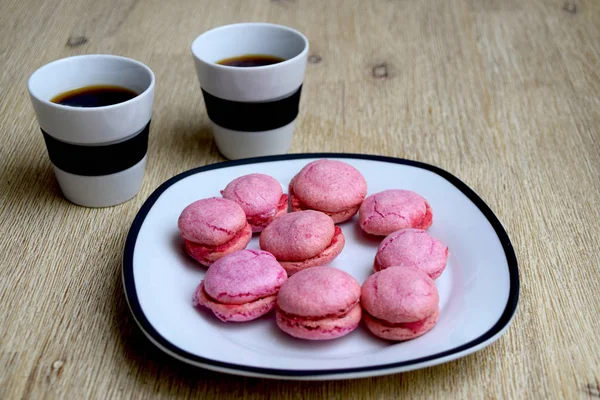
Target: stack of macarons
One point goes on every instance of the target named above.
(212, 228)
(299, 238)
(330, 186)
(302, 240)
(241, 286)
(318, 304)
(400, 303)
(261, 198)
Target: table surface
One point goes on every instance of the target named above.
(503, 94)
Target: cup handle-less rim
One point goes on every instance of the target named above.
(251, 24)
(48, 103)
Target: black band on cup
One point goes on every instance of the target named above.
(252, 117)
(92, 160)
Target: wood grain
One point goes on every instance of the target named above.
(503, 94)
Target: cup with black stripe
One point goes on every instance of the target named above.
(251, 78)
(94, 112)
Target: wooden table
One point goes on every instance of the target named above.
(503, 94)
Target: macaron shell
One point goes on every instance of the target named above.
(329, 185)
(255, 193)
(323, 258)
(206, 255)
(318, 292)
(298, 236)
(244, 276)
(344, 215)
(234, 312)
(399, 295)
(400, 332)
(337, 217)
(390, 210)
(212, 221)
(260, 221)
(322, 329)
(412, 248)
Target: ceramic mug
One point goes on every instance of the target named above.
(253, 110)
(98, 153)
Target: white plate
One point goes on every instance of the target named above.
(478, 290)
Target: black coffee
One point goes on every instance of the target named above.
(251, 60)
(94, 96)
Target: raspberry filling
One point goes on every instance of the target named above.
(426, 220)
(299, 318)
(204, 298)
(414, 325)
(337, 216)
(262, 220)
(203, 251)
(234, 312)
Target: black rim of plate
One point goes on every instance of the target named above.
(139, 315)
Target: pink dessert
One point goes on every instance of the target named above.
(260, 196)
(388, 211)
(319, 303)
(241, 286)
(400, 303)
(331, 186)
(303, 239)
(412, 248)
(212, 228)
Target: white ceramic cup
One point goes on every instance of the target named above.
(252, 109)
(98, 153)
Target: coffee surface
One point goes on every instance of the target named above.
(251, 60)
(94, 96)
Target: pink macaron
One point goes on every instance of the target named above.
(319, 303)
(241, 286)
(302, 239)
(399, 303)
(331, 186)
(388, 211)
(212, 228)
(260, 196)
(412, 248)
